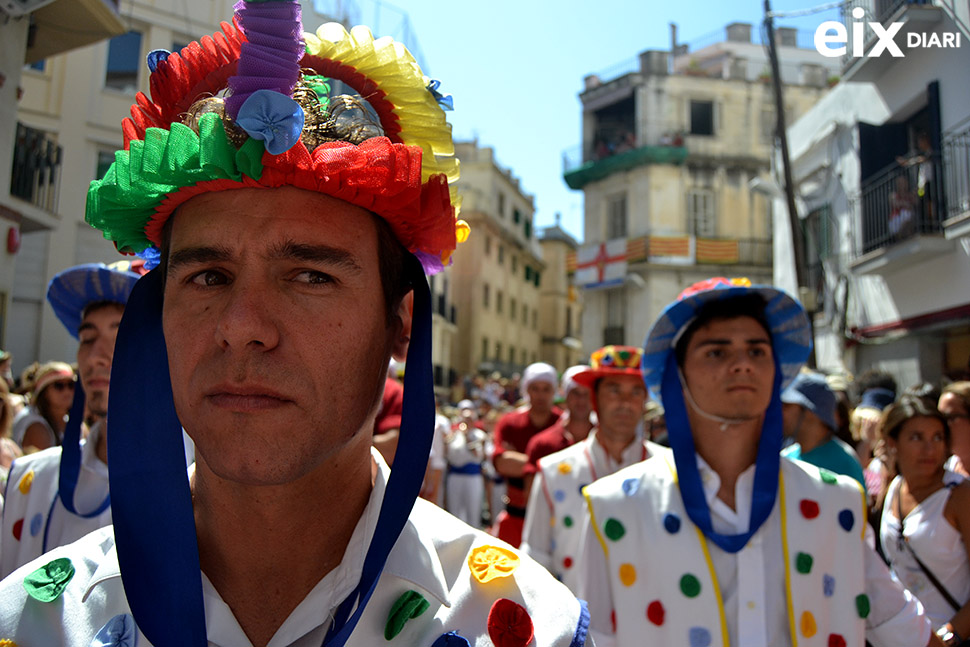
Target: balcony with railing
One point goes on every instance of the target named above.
(36, 173)
(956, 183)
(900, 213)
(914, 16)
(585, 164)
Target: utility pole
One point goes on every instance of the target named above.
(794, 221)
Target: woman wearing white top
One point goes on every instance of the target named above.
(934, 505)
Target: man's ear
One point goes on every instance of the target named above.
(404, 314)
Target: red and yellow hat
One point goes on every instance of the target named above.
(610, 360)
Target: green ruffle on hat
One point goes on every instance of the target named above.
(165, 161)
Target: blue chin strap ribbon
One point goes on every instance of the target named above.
(767, 463)
(152, 505)
(70, 467)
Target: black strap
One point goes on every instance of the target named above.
(904, 540)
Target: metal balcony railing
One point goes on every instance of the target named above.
(956, 173)
(36, 175)
(895, 207)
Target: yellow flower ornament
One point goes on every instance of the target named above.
(491, 562)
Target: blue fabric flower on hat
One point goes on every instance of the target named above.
(156, 56)
(446, 101)
(274, 118)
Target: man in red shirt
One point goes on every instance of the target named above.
(512, 434)
(573, 426)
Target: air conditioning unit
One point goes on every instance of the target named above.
(21, 7)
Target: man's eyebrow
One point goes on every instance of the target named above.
(725, 342)
(291, 250)
(197, 255)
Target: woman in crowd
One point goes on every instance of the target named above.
(42, 423)
(955, 407)
(928, 548)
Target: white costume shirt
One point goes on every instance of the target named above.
(752, 580)
(431, 557)
(938, 545)
(553, 530)
(33, 509)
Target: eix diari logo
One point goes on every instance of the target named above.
(835, 44)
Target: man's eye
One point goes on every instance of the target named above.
(758, 352)
(313, 277)
(210, 278)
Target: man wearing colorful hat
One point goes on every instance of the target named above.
(512, 434)
(294, 233)
(721, 541)
(554, 516)
(58, 495)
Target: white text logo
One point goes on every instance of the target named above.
(835, 44)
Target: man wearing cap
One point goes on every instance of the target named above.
(554, 516)
(292, 270)
(808, 416)
(512, 434)
(58, 495)
(744, 548)
(572, 427)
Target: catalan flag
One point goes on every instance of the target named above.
(669, 245)
(715, 251)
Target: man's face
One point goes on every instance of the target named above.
(276, 330)
(96, 348)
(729, 369)
(620, 402)
(541, 395)
(579, 402)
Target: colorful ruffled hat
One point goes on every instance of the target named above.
(791, 342)
(249, 107)
(276, 126)
(72, 290)
(610, 360)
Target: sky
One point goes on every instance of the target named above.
(516, 68)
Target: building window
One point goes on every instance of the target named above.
(511, 355)
(485, 295)
(484, 348)
(516, 216)
(535, 319)
(614, 332)
(701, 117)
(501, 253)
(124, 61)
(488, 245)
(515, 263)
(700, 213)
(499, 298)
(525, 315)
(512, 309)
(538, 278)
(528, 228)
(501, 204)
(38, 66)
(524, 356)
(569, 321)
(616, 216)
(498, 350)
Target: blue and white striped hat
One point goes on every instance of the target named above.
(791, 336)
(71, 291)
